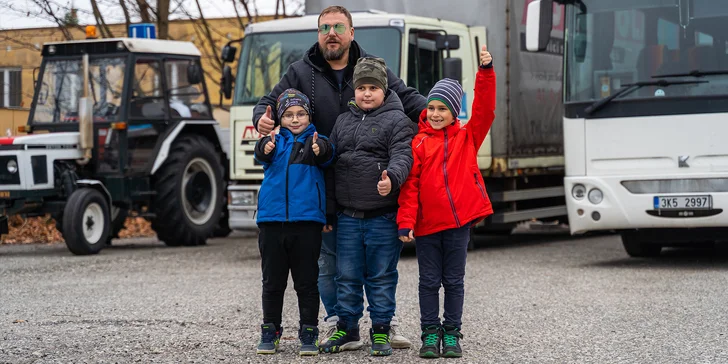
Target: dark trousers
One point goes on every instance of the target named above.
(441, 259)
(290, 246)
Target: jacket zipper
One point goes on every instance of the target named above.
(477, 183)
(356, 146)
(447, 187)
(288, 164)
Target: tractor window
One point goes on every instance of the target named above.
(147, 100)
(425, 61)
(186, 100)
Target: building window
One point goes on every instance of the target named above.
(11, 88)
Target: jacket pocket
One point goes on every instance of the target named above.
(318, 191)
(477, 183)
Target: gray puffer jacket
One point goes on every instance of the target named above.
(368, 143)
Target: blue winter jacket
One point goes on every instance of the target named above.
(293, 184)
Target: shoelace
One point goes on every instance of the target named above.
(450, 339)
(337, 335)
(380, 338)
(308, 338)
(431, 339)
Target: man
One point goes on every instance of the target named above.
(325, 75)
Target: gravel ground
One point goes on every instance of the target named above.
(528, 300)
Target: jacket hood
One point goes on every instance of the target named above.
(310, 129)
(391, 102)
(426, 128)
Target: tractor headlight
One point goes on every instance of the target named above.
(12, 167)
(596, 196)
(244, 198)
(578, 192)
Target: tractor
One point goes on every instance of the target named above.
(117, 126)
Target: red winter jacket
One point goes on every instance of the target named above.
(445, 189)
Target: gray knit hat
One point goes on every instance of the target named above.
(449, 92)
(370, 70)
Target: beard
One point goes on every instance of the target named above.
(334, 55)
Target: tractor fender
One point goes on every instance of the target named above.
(214, 132)
(97, 185)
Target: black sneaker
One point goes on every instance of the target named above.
(381, 346)
(342, 340)
(431, 341)
(269, 339)
(309, 340)
(451, 342)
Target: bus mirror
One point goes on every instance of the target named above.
(452, 67)
(447, 42)
(226, 83)
(194, 74)
(580, 38)
(228, 53)
(539, 21)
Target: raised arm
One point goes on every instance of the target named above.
(484, 100)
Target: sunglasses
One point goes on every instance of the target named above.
(339, 28)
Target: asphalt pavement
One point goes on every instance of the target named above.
(529, 299)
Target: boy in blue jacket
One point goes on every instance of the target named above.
(291, 216)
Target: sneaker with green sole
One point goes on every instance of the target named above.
(270, 337)
(451, 342)
(381, 345)
(431, 341)
(342, 340)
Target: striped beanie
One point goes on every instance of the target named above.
(449, 92)
(291, 97)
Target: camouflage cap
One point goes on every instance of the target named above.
(371, 70)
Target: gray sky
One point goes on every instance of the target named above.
(13, 16)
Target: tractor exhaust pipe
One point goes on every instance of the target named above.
(85, 117)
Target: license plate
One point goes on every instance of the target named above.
(702, 202)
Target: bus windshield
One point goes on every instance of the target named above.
(618, 42)
(265, 57)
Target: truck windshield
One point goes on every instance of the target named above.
(61, 86)
(618, 42)
(265, 57)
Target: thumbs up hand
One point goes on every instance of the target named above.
(384, 186)
(271, 143)
(485, 57)
(266, 123)
(315, 146)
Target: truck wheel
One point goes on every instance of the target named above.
(86, 223)
(118, 218)
(637, 247)
(188, 205)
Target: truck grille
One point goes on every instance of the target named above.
(7, 178)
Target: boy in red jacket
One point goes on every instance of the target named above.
(442, 198)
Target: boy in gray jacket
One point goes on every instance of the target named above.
(373, 159)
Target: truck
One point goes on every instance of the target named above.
(117, 126)
(645, 100)
(522, 158)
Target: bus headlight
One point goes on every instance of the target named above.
(596, 196)
(244, 198)
(12, 167)
(578, 192)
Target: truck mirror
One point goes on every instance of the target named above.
(539, 21)
(194, 74)
(580, 38)
(226, 83)
(453, 68)
(228, 53)
(444, 41)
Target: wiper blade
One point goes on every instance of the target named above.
(629, 88)
(693, 73)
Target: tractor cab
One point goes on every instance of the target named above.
(127, 120)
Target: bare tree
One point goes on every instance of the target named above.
(237, 15)
(247, 10)
(103, 28)
(163, 19)
(127, 18)
(47, 8)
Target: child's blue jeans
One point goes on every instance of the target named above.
(367, 253)
(441, 258)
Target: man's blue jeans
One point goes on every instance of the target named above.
(367, 255)
(327, 272)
